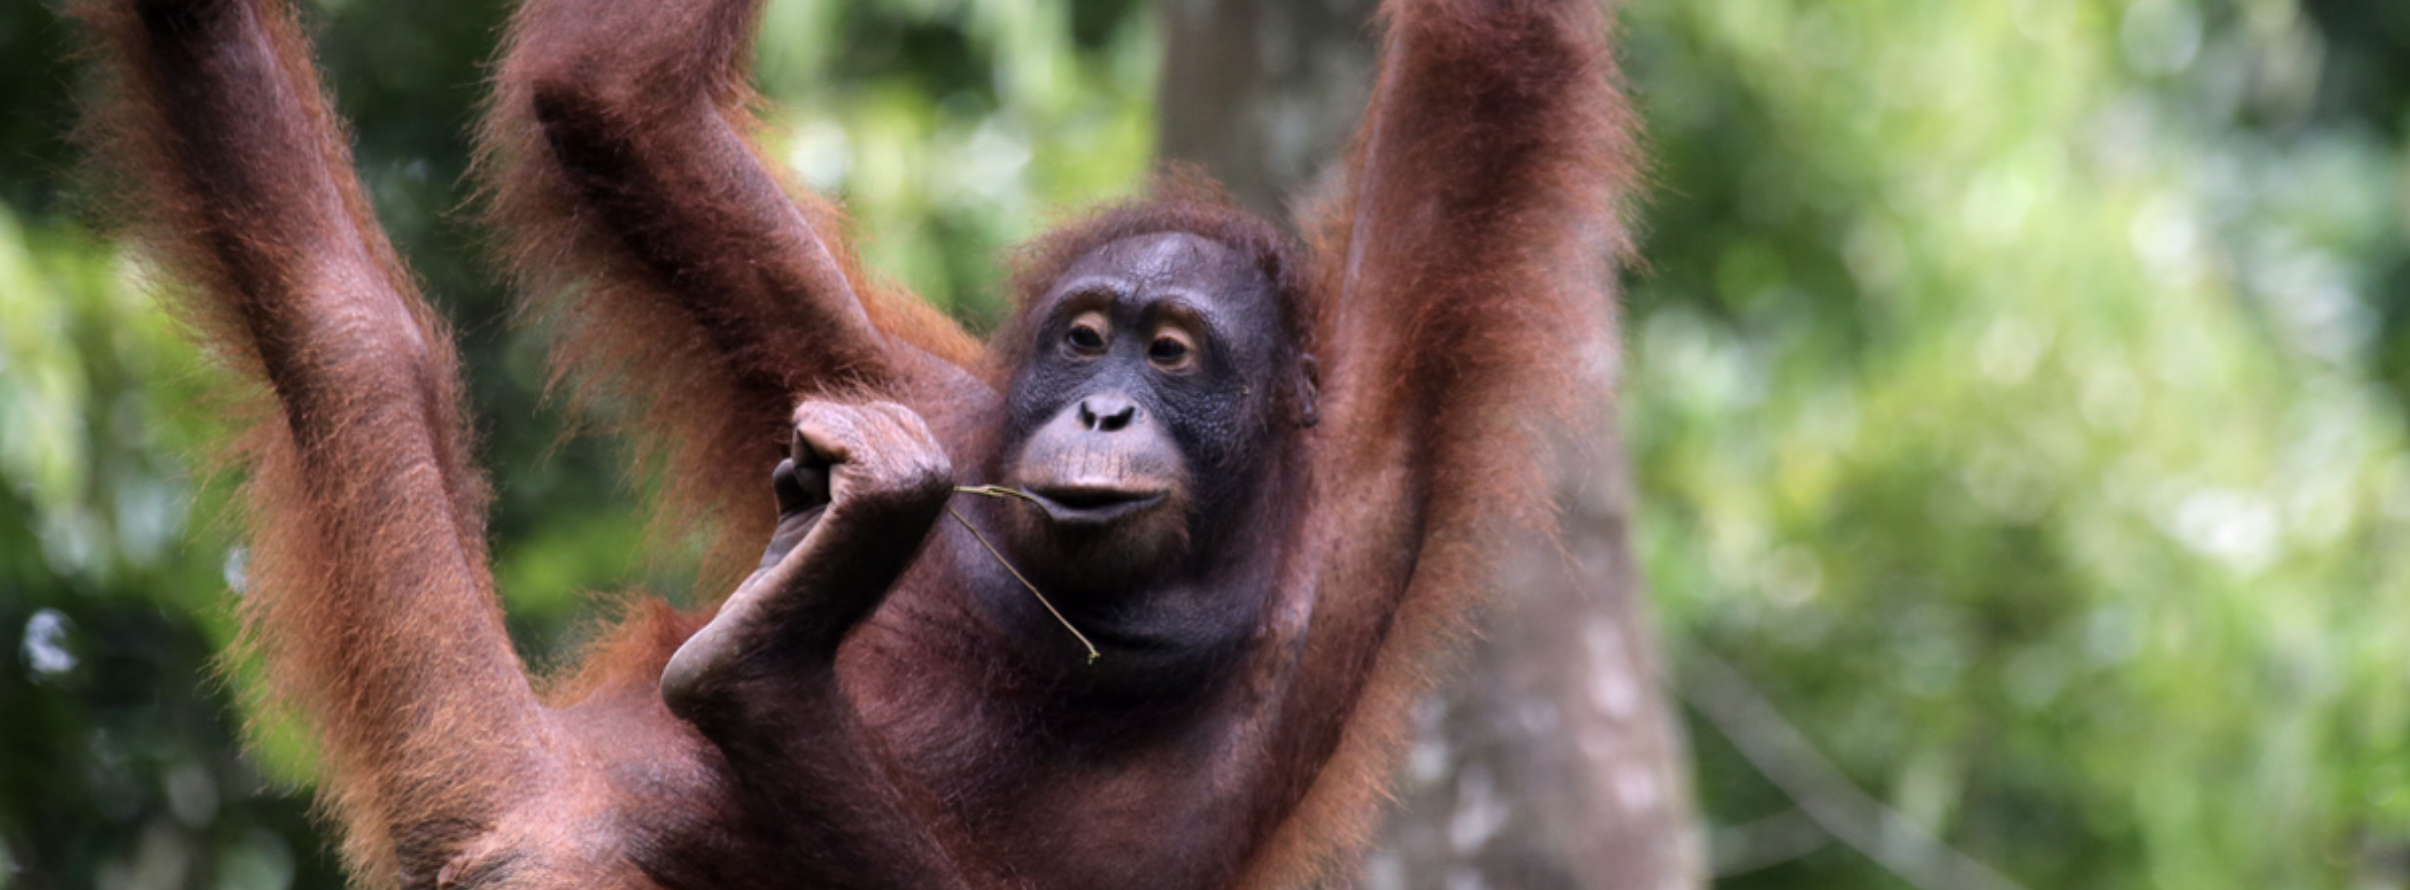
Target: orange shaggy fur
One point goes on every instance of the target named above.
(695, 296)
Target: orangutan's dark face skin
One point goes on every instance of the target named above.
(1148, 387)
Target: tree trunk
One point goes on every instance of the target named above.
(1554, 759)
(1262, 93)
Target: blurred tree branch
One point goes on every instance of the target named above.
(1826, 795)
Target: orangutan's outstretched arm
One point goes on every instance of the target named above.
(367, 581)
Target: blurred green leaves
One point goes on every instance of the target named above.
(2003, 402)
(76, 445)
(953, 128)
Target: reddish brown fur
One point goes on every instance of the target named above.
(417, 695)
(695, 296)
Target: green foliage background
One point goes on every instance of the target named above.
(2017, 393)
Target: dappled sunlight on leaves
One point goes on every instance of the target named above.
(2051, 382)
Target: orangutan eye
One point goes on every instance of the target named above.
(1085, 337)
(1170, 351)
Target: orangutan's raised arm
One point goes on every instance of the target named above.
(676, 265)
(367, 581)
(1468, 274)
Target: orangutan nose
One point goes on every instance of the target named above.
(1104, 414)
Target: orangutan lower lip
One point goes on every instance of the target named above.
(1081, 505)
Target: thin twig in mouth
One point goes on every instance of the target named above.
(998, 491)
